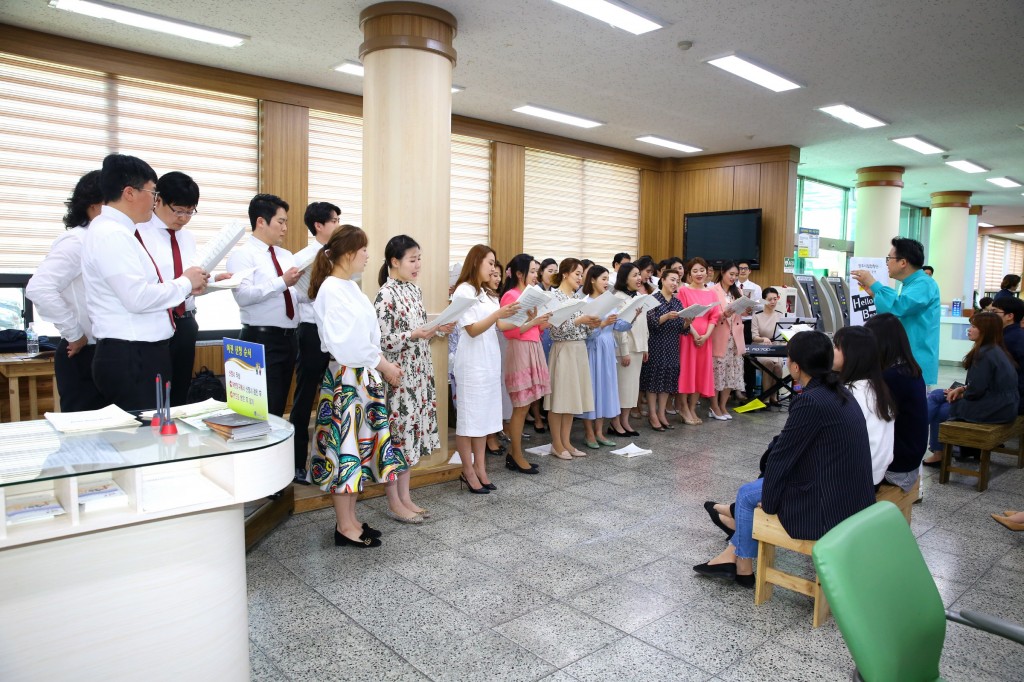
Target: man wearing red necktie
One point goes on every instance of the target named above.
(266, 302)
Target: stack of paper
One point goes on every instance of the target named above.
(235, 427)
(32, 507)
(540, 450)
(99, 495)
(191, 409)
(110, 417)
(788, 334)
(631, 450)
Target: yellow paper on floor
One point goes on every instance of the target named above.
(754, 404)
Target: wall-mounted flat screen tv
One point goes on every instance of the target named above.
(723, 236)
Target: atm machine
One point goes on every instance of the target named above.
(809, 300)
(837, 291)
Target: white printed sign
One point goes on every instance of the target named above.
(862, 304)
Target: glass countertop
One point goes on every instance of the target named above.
(35, 451)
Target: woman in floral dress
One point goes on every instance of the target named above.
(412, 405)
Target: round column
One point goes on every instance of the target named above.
(879, 189)
(948, 241)
(408, 59)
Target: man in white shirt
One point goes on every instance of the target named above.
(172, 249)
(322, 219)
(58, 293)
(267, 304)
(753, 292)
(130, 303)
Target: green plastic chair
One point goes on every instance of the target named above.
(884, 599)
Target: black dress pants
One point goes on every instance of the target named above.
(77, 390)
(749, 373)
(183, 355)
(124, 371)
(279, 353)
(309, 373)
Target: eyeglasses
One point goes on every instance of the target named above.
(156, 194)
(744, 269)
(182, 213)
(889, 258)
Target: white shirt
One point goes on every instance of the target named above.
(260, 295)
(57, 289)
(347, 323)
(124, 295)
(881, 434)
(158, 241)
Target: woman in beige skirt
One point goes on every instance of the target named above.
(631, 349)
(569, 366)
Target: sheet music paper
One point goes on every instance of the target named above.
(452, 313)
(532, 297)
(231, 282)
(643, 303)
(566, 310)
(600, 306)
(696, 310)
(742, 305)
(304, 261)
(217, 248)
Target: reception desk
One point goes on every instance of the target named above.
(154, 589)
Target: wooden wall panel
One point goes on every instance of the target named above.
(778, 201)
(655, 213)
(508, 185)
(746, 187)
(284, 160)
(720, 188)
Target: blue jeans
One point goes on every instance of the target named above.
(747, 499)
(938, 412)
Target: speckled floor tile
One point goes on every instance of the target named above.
(700, 639)
(622, 604)
(631, 659)
(614, 554)
(486, 657)
(824, 643)
(559, 634)
(776, 662)
(495, 600)
(559, 576)
(440, 571)
(261, 669)
(560, 532)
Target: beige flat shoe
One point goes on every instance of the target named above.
(561, 455)
(578, 453)
(414, 519)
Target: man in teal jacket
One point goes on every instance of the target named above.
(916, 305)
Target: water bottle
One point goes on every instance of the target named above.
(958, 306)
(32, 340)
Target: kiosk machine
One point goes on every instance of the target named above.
(837, 291)
(809, 300)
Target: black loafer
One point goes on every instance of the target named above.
(726, 571)
(716, 519)
(746, 581)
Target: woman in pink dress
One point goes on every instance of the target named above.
(696, 375)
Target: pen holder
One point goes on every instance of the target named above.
(169, 429)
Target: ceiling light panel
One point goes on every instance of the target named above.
(918, 145)
(1004, 182)
(848, 114)
(662, 142)
(558, 116)
(152, 22)
(613, 13)
(350, 67)
(967, 166)
(754, 73)
(985, 225)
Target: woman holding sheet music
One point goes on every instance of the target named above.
(631, 350)
(353, 434)
(526, 370)
(601, 356)
(696, 376)
(727, 343)
(660, 376)
(477, 367)
(571, 390)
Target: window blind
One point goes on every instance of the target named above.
(979, 276)
(579, 208)
(1015, 257)
(995, 263)
(336, 175)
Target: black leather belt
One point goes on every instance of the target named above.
(272, 331)
(187, 313)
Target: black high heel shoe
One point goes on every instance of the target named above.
(613, 432)
(482, 490)
(500, 451)
(363, 542)
(489, 486)
(539, 429)
(511, 465)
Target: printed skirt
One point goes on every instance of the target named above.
(352, 442)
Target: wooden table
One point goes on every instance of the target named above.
(14, 367)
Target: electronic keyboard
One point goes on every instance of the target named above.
(768, 350)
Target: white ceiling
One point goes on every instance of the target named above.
(941, 69)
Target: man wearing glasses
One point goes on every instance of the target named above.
(129, 299)
(917, 303)
(173, 248)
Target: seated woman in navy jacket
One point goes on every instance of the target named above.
(818, 471)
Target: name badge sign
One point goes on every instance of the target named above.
(245, 373)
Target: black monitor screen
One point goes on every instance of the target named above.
(723, 236)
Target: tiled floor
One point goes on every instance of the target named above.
(584, 573)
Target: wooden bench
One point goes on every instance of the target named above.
(987, 438)
(770, 534)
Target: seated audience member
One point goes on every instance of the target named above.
(985, 304)
(989, 395)
(1011, 310)
(817, 471)
(1008, 287)
(860, 370)
(929, 270)
(906, 385)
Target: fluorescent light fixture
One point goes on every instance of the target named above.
(967, 166)
(848, 114)
(918, 145)
(754, 73)
(152, 22)
(662, 142)
(350, 67)
(1004, 182)
(613, 13)
(985, 225)
(558, 116)
(457, 88)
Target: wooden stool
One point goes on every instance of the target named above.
(985, 437)
(904, 500)
(769, 533)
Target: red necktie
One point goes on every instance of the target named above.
(158, 277)
(176, 256)
(288, 307)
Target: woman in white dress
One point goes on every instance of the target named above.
(477, 368)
